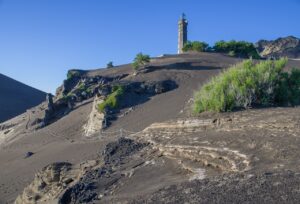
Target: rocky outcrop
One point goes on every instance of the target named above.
(53, 180)
(49, 110)
(48, 184)
(64, 183)
(281, 47)
(133, 94)
(44, 116)
(80, 86)
(6, 130)
(189, 155)
(99, 181)
(97, 119)
(73, 76)
(99, 87)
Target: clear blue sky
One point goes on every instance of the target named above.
(41, 39)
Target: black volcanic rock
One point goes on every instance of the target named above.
(116, 151)
(16, 97)
(281, 47)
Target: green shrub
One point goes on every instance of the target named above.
(140, 60)
(68, 96)
(112, 100)
(237, 49)
(81, 87)
(288, 89)
(89, 90)
(110, 65)
(241, 86)
(195, 46)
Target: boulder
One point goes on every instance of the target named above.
(28, 154)
(104, 90)
(160, 86)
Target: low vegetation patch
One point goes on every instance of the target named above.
(112, 100)
(237, 49)
(140, 61)
(195, 46)
(233, 48)
(288, 89)
(81, 87)
(248, 84)
(110, 65)
(68, 96)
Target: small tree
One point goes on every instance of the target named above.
(110, 65)
(195, 46)
(140, 60)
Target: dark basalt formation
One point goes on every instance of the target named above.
(97, 181)
(115, 152)
(79, 87)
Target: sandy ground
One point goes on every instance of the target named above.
(17, 97)
(63, 141)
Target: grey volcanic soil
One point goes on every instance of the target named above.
(236, 188)
(16, 98)
(63, 140)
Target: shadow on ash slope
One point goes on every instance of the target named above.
(217, 149)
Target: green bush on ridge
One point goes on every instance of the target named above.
(232, 48)
(112, 100)
(288, 89)
(140, 60)
(237, 49)
(244, 85)
(195, 46)
(110, 65)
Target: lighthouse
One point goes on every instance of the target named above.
(182, 32)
